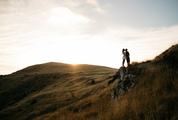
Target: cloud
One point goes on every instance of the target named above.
(147, 34)
(66, 19)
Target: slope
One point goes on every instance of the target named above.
(155, 97)
(44, 88)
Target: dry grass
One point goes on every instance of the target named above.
(61, 92)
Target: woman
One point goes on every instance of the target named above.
(124, 56)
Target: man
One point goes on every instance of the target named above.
(127, 57)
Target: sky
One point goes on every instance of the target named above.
(84, 31)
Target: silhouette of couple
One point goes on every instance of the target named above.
(126, 57)
(121, 73)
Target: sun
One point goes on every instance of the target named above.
(74, 65)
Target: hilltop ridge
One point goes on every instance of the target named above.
(169, 57)
(54, 67)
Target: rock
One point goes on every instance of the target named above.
(125, 81)
(91, 82)
(122, 72)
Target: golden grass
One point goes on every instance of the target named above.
(67, 95)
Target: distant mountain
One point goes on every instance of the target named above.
(66, 92)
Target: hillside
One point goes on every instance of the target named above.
(53, 91)
(45, 88)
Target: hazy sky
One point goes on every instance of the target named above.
(84, 31)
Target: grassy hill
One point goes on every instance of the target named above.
(53, 91)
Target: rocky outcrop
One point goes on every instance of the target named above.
(123, 80)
